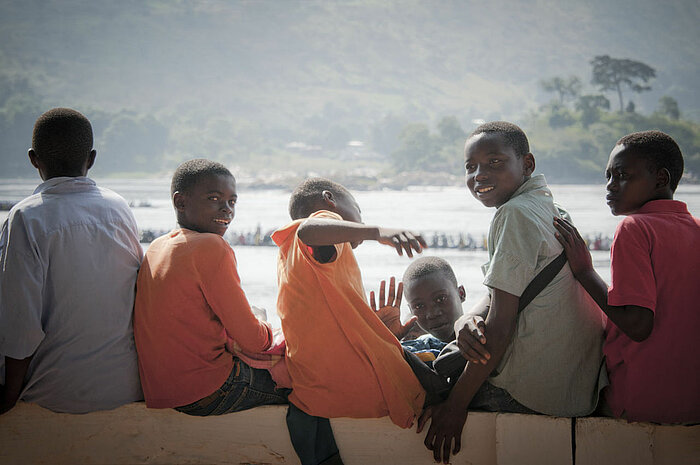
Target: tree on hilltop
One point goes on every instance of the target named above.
(590, 106)
(614, 73)
(563, 87)
(669, 106)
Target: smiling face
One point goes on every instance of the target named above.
(437, 302)
(493, 169)
(209, 205)
(631, 183)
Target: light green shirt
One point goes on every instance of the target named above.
(554, 363)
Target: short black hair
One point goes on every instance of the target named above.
(62, 140)
(660, 151)
(188, 173)
(424, 266)
(514, 136)
(306, 196)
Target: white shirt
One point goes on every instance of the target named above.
(69, 256)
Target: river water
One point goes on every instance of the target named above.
(448, 210)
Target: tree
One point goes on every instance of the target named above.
(416, 148)
(614, 73)
(669, 106)
(564, 87)
(450, 130)
(590, 106)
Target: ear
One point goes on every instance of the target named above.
(528, 163)
(91, 159)
(462, 293)
(33, 159)
(329, 200)
(179, 201)
(663, 178)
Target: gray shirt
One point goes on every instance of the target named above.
(69, 255)
(554, 363)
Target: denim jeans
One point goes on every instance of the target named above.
(245, 388)
(495, 399)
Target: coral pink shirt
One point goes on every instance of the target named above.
(188, 296)
(342, 360)
(655, 263)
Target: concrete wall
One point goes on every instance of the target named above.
(135, 435)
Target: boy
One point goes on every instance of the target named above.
(435, 300)
(547, 359)
(652, 304)
(69, 255)
(190, 306)
(342, 360)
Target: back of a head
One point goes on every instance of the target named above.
(306, 197)
(188, 173)
(62, 140)
(660, 150)
(425, 266)
(511, 133)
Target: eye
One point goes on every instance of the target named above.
(607, 175)
(232, 203)
(417, 307)
(470, 167)
(441, 299)
(495, 162)
(213, 198)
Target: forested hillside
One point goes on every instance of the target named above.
(286, 85)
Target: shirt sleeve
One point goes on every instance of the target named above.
(21, 290)
(632, 273)
(512, 265)
(221, 287)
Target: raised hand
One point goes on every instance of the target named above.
(402, 240)
(471, 339)
(575, 247)
(389, 310)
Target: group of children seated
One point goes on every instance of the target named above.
(73, 274)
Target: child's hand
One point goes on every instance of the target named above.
(402, 240)
(446, 425)
(575, 247)
(390, 314)
(471, 339)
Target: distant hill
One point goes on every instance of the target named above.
(280, 71)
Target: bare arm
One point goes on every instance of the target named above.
(449, 417)
(636, 322)
(319, 232)
(15, 371)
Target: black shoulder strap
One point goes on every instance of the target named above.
(540, 281)
(450, 362)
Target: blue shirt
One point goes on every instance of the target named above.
(69, 255)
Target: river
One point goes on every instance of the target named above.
(448, 210)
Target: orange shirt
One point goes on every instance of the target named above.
(188, 296)
(342, 360)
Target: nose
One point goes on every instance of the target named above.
(480, 173)
(225, 207)
(433, 311)
(611, 184)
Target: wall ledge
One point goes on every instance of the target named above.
(133, 434)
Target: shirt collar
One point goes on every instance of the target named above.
(664, 206)
(535, 182)
(63, 181)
